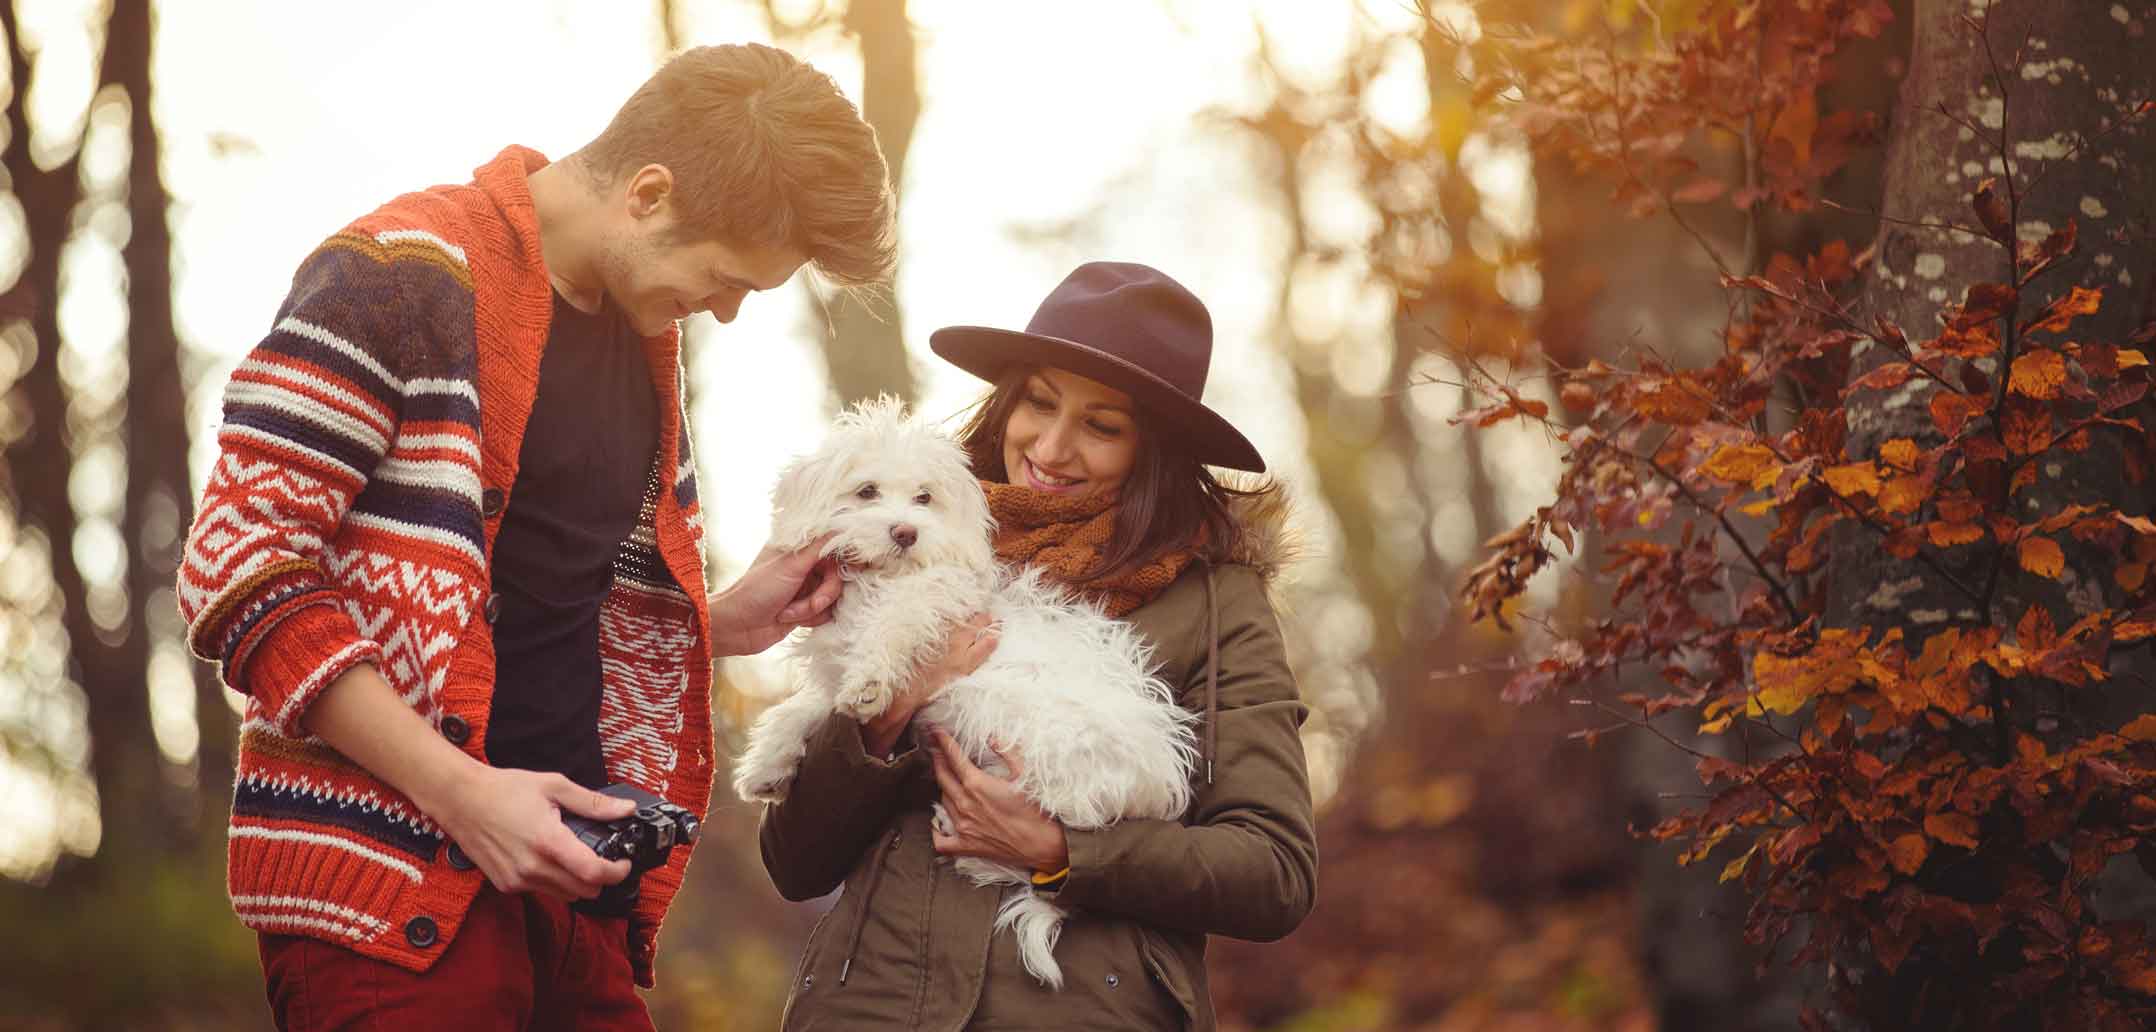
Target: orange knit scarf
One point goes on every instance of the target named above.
(1064, 538)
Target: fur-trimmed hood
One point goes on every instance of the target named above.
(1270, 542)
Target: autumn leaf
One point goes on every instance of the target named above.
(2131, 575)
(1901, 453)
(1992, 212)
(1906, 494)
(1908, 852)
(1854, 478)
(2043, 255)
(2038, 374)
(2042, 557)
(1740, 464)
(1983, 303)
(1578, 398)
(1885, 378)
(1954, 829)
(2129, 358)
(1735, 868)
(2027, 430)
(1950, 412)
(2140, 729)
(1947, 535)
(1699, 191)
(1672, 403)
(2061, 313)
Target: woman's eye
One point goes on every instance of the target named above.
(867, 493)
(1106, 431)
(1040, 403)
(922, 498)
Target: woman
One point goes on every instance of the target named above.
(1092, 449)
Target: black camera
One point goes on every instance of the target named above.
(644, 838)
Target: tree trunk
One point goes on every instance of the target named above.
(2036, 97)
(110, 666)
(863, 340)
(159, 496)
(2069, 159)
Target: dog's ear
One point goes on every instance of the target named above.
(971, 521)
(802, 500)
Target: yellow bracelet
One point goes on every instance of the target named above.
(1051, 879)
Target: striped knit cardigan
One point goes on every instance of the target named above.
(368, 449)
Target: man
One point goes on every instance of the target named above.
(451, 550)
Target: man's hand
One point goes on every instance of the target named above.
(964, 650)
(990, 818)
(780, 591)
(509, 823)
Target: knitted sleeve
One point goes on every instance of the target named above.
(308, 416)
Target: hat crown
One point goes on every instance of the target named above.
(1136, 314)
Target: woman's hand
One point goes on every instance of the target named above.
(964, 650)
(990, 818)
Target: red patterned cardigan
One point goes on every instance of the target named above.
(368, 448)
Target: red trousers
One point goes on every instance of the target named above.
(525, 963)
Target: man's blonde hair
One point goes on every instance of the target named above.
(765, 151)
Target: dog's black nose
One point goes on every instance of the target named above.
(905, 535)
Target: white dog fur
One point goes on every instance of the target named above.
(1066, 690)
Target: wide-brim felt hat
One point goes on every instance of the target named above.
(1131, 327)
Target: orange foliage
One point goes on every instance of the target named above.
(1897, 811)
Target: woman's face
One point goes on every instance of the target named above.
(1070, 436)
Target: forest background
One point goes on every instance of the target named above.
(1715, 425)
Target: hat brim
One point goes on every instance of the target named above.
(988, 353)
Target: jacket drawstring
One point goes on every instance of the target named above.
(868, 895)
(1212, 673)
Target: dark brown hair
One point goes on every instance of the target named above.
(765, 151)
(1166, 501)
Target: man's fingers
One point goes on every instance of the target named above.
(819, 591)
(585, 802)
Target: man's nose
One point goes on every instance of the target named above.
(905, 535)
(724, 306)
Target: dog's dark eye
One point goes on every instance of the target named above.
(922, 498)
(867, 493)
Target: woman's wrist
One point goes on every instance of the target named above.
(1054, 854)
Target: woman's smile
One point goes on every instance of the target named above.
(1070, 435)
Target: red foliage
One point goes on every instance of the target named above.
(1894, 810)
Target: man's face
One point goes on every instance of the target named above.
(657, 274)
(656, 280)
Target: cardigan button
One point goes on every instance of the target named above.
(456, 730)
(490, 502)
(494, 607)
(421, 932)
(807, 980)
(1114, 980)
(458, 859)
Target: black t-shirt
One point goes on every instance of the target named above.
(581, 475)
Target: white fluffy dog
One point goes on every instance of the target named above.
(1066, 690)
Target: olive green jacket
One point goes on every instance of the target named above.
(908, 944)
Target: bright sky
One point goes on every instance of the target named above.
(282, 121)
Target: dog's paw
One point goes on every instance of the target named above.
(767, 781)
(864, 700)
(940, 820)
(763, 789)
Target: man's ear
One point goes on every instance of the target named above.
(649, 190)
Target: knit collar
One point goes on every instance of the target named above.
(1064, 538)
